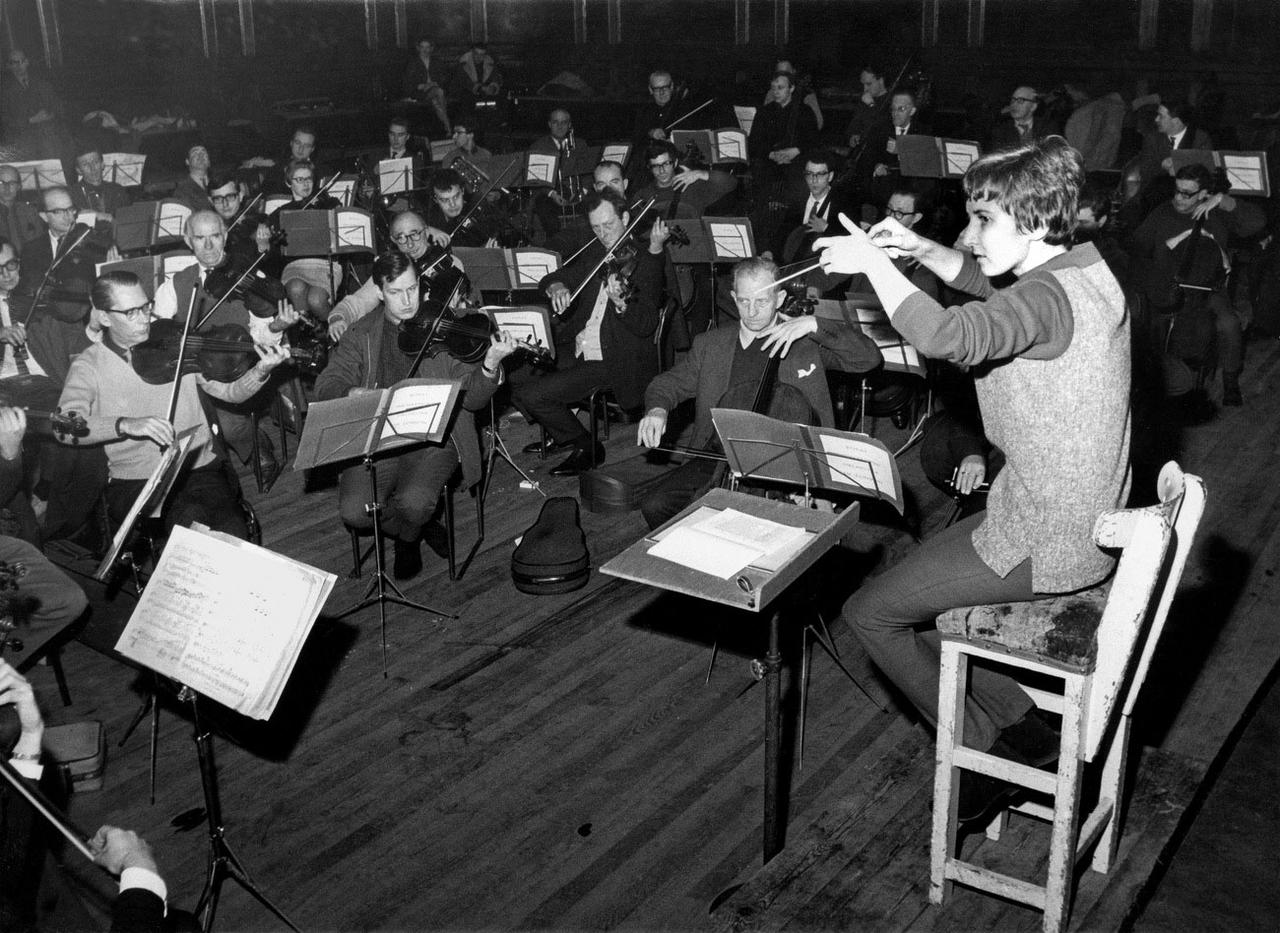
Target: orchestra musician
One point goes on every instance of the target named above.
(464, 145)
(450, 205)
(808, 219)
(402, 145)
(726, 365)
(311, 281)
(663, 108)
(128, 415)
(94, 193)
(19, 220)
(65, 242)
(246, 236)
(606, 338)
(410, 235)
(553, 206)
(783, 129)
(193, 189)
(368, 358)
(868, 109)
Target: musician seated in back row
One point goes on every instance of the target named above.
(464, 145)
(451, 207)
(92, 192)
(727, 366)
(312, 281)
(129, 414)
(247, 235)
(368, 359)
(605, 339)
(19, 220)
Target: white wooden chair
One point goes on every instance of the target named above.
(1101, 679)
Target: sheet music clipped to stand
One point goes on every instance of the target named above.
(226, 618)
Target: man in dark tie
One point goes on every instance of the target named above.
(62, 243)
(1024, 124)
(554, 206)
(1173, 130)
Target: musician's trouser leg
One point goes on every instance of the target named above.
(409, 488)
(72, 478)
(59, 601)
(1226, 325)
(893, 616)
(677, 489)
(204, 495)
(547, 399)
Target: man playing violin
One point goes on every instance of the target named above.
(128, 415)
(453, 219)
(192, 288)
(606, 335)
(369, 358)
(725, 366)
(246, 236)
(63, 242)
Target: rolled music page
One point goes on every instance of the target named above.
(226, 618)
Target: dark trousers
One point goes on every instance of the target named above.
(677, 489)
(205, 495)
(546, 399)
(409, 486)
(893, 616)
(71, 480)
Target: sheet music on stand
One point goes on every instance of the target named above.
(726, 145)
(226, 618)
(581, 160)
(615, 152)
(867, 314)
(344, 189)
(813, 457)
(39, 174)
(413, 411)
(395, 176)
(494, 269)
(153, 494)
(746, 116)
(148, 269)
(1246, 172)
(539, 169)
(273, 202)
(149, 224)
(715, 239)
(123, 168)
(323, 233)
(935, 156)
(528, 324)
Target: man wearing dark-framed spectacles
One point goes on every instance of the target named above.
(1025, 123)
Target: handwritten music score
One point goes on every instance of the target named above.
(226, 618)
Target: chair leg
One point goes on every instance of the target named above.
(356, 560)
(1066, 809)
(952, 685)
(448, 530)
(1112, 788)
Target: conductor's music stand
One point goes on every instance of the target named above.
(364, 426)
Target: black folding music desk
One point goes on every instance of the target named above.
(751, 590)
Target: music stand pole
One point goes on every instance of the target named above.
(381, 583)
(223, 862)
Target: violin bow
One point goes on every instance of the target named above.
(218, 304)
(46, 809)
(182, 349)
(324, 189)
(702, 106)
(608, 254)
(244, 212)
(476, 204)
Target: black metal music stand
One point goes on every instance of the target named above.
(223, 861)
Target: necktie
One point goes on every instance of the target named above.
(19, 353)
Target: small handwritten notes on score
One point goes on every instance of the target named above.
(225, 618)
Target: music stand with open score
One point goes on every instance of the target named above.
(713, 240)
(364, 426)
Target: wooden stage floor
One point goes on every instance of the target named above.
(559, 763)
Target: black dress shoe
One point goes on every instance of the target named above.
(579, 461)
(550, 447)
(408, 560)
(981, 798)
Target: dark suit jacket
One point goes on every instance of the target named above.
(878, 139)
(1156, 148)
(626, 340)
(798, 242)
(20, 223)
(1005, 134)
(77, 271)
(704, 373)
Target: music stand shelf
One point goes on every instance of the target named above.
(751, 590)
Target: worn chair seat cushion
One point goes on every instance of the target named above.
(1059, 630)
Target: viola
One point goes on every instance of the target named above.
(464, 337)
(38, 397)
(221, 354)
(236, 278)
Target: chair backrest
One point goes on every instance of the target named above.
(1155, 542)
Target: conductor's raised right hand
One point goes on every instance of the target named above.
(151, 428)
(560, 297)
(651, 428)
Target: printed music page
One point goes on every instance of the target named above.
(731, 240)
(123, 168)
(731, 146)
(722, 543)
(355, 230)
(958, 155)
(861, 465)
(227, 620)
(540, 167)
(529, 325)
(395, 175)
(745, 116)
(616, 152)
(171, 216)
(417, 410)
(40, 174)
(532, 264)
(1246, 173)
(344, 189)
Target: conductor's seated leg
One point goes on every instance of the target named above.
(409, 488)
(546, 400)
(52, 601)
(676, 490)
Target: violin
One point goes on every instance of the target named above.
(622, 263)
(221, 354)
(465, 337)
(236, 278)
(38, 397)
